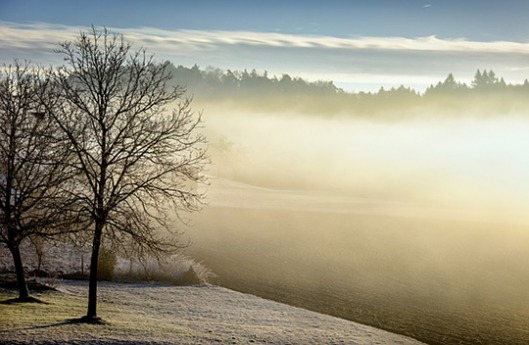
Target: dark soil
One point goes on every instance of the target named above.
(439, 281)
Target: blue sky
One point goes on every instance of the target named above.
(471, 19)
(358, 44)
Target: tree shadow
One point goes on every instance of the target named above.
(67, 322)
(19, 300)
(88, 320)
(83, 320)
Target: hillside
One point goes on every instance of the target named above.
(153, 314)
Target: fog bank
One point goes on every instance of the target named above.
(474, 165)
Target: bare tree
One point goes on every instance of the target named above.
(34, 198)
(135, 158)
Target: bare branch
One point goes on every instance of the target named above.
(135, 162)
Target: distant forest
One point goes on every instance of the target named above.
(486, 95)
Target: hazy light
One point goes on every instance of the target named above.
(473, 164)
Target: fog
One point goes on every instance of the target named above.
(473, 165)
(418, 226)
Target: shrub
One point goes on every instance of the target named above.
(177, 270)
(106, 264)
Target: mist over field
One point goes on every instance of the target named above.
(363, 159)
(412, 224)
(471, 164)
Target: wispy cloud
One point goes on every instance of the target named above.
(424, 57)
(44, 35)
(430, 43)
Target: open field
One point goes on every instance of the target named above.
(425, 273)
(154, 314)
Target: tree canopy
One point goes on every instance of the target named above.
(135, 160)
(35, 184)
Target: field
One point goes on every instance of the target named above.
(423, 272)
(154, 314)
(424, 233)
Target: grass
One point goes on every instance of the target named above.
(18, 300)
(35, 322)
(164, 314)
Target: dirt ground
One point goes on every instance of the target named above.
(439, 281)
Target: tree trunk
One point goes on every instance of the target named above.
(23, 291)
(91, 314)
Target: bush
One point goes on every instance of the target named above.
(177, 270)
(106, 265)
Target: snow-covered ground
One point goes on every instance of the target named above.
(186, 315)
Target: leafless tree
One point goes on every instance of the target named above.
(34, 194)
(136, 160)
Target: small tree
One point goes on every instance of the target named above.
(134, 158)
(478, 82)
(34, 198)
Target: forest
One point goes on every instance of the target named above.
(486, 94)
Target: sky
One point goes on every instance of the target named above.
(360, 45)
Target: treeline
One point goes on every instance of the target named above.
(217, 83)
(487, 93)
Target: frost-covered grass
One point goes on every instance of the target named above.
(174, 270)
(63, 258)
(155, 314)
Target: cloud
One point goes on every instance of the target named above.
(424, 58)
(44, 35)
(430, 43)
